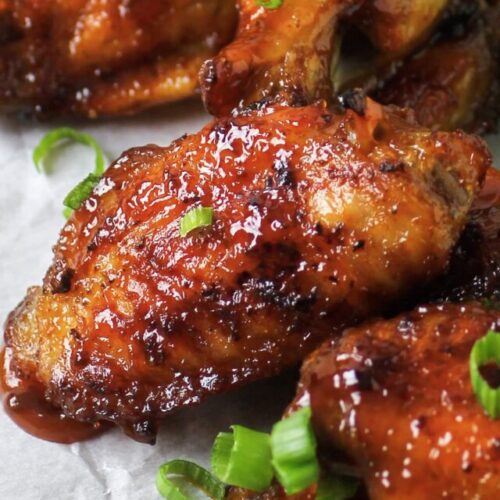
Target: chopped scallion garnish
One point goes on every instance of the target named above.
(50, 139)
(337, 488)
(243, 458)
(172, 475)
(81, 192)
(486, 351)
(293, 446)
(196, 218)
(270, 4)
(83, 189)
(249, 459)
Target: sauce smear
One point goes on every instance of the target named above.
(25, 405)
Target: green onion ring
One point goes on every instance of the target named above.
(50, 139)
(270, 4)
(196, 218)
(83, 189)
(191, 473)
(294, 452)
(486, 350)
(243, 458)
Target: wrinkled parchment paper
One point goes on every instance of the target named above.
(111, 466)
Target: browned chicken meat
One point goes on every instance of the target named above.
(100, 58)
(474, 273)
(454, 81)
(103, 58)
(288, 51)
(396, 398)
(320, 220)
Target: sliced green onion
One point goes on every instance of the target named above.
(67, 212)
(195, 218)
(337, 488)
(243, 458)
(81, 192)
(270, 4)
(50, 139)
(183, 471)
(83, 189)
(294, 452)
(486, 350)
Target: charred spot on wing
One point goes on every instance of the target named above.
(245, 109)
(298, 99)
(354, 99)
(364, 379)
(358, 245)
(285, 175)
(143, 431)
(61, 281)
(91, 246)
(389, 166)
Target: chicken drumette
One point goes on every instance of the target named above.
(312, 232)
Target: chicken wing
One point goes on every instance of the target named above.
(474, 271)
(311, 233)
(288, 51)
(101, 58)
(453, 83)
(474, 274)
(396, 397)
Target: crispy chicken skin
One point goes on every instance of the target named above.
(474, 270)
(433, 438)
(453, 83)
(395, 397)
(288, 51)
(311, 234)
(102, 58)
(473, 274)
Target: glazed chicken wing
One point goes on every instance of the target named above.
(288, 51)
(320, 220)
(395, 397)
(453, 82)
(101, 58)
(474, 274)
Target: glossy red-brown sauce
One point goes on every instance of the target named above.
(24, 403)
(490, 194)
(23, 400)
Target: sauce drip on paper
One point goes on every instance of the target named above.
(24, 403)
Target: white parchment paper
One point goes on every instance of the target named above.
(111, 466)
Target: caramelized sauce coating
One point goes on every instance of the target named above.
(287, 52)
(453, 84)
(474, 274)
(396, 397)
(102, 58)
(474, 271)
(311, 234)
